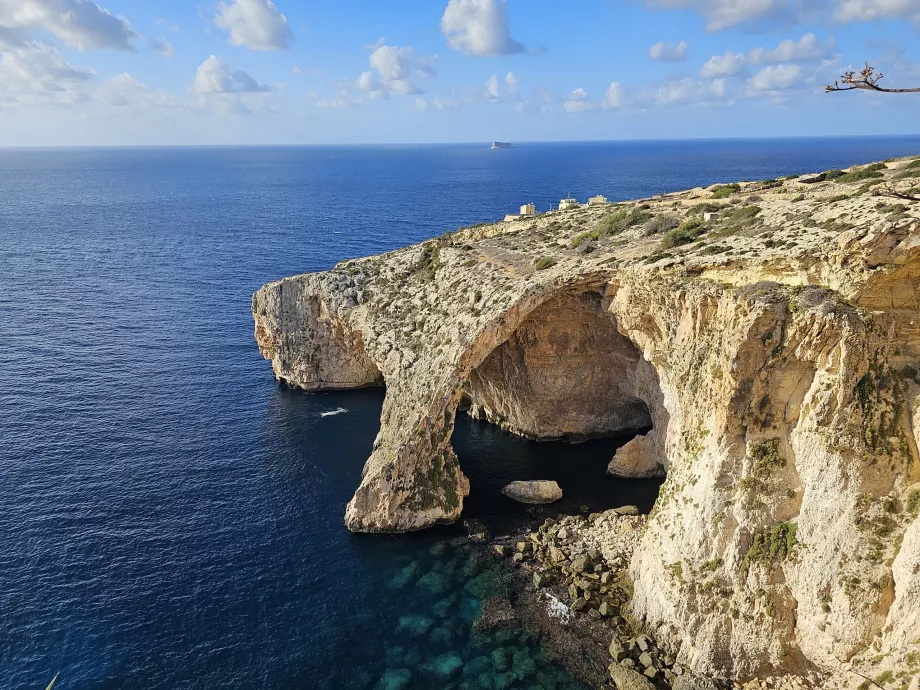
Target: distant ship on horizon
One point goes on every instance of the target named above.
(501, 145)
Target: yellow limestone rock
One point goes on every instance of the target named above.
(770, 356)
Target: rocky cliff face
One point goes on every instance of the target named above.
(774, 350)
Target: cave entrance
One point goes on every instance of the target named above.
(566, 376)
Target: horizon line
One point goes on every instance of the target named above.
(451, 143)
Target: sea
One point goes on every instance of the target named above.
(172, 517)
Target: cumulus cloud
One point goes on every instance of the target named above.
(497, 91)
(78, 23)
(256, 24)
(689, 91)
(479, 27)
(394, 69)
(868, 10)
(809, 47)
(215, 76)
(669, 52)
(613, 99)
(577, 102)
(727, 65)
(163, 47)
(34, 72)
(724, 14)
(774, 78)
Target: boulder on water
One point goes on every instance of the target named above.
(533, 492)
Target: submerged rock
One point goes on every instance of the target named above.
(537, 492)
(395, 679)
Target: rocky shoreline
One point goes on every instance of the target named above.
(574, 594)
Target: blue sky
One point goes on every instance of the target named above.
(117, 72)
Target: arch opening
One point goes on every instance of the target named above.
(567, 373)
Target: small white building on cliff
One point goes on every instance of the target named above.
(570, 202)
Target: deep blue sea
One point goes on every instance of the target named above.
(170, 517)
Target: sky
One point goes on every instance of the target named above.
(161, 72)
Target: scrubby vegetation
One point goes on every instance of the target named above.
(617, 222)
(773, 545)
(859, 176)
(660, 224)
(544, 262)
(687, 232)
(723, 191)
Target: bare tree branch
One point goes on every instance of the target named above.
(867, 80)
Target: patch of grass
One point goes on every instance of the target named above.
(875, 166)
(908, 174)
(915, 163)
(686, 232)
(544, 262)
(429, 261)
(723, 191)
(838, 197)
(859, 176)
(833, 174)
(743, 214)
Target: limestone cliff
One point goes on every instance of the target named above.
(772, 345)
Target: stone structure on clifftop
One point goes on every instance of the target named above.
(769, 357)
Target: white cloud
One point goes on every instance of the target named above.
(669, 52)
(806, 48)
(577, 102)
(868, 10)
(394, 69)
(727, 65)
(215, 76)
(163, 47)
(724, 14)
(613, 99)
(123, 91)
(491, 93)
(689, 91)
(774, 78)
(421, 105)
(35, 72)
(79, 23)
(479, 27)
(448, 103)
(296, 70)
(512, 88)
(256, 24)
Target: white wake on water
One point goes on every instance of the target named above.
(333, 412)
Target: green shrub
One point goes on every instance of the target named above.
(583, 237)
(859, 176)
(913, 502)
(772, 545)
(687, 232)
(543, 263)
(723, 191)
(708, 207)
(915, 163)
(875, 166)
(743, 214)
(660, 224)
(832, 174)
(617, 222)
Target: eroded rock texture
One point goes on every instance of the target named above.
(776, 360)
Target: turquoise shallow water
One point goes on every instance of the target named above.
(171, 517)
